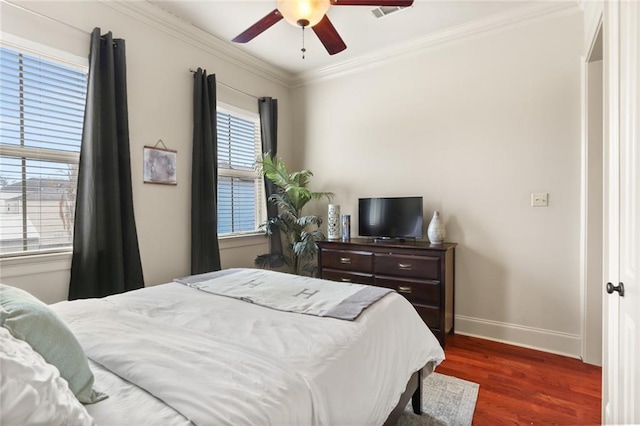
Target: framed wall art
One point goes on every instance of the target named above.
(160, 165)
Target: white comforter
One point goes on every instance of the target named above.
(218, 360)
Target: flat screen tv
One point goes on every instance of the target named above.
(392, 217)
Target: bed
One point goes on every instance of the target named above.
(177, 354)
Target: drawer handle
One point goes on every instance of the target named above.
(404, 266)
(346, 260)
(403, 289)
(345, 280)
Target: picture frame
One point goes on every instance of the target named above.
(160, 165)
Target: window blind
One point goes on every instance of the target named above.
(240, 193)
(41, 117)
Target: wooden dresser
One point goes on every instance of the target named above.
(420, 271)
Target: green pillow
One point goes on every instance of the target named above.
(30, 320)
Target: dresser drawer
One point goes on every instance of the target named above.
(423, 267)
(358, 261)
(430, 315)
(422, 292)
(347, 277)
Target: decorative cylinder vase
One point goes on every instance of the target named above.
(333, 222)
(436, 231)
(346, 227)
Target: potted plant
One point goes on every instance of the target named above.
(299, 232)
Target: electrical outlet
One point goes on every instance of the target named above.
(539, 199)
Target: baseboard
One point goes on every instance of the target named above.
(534, 338)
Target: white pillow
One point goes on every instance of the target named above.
(32, 391)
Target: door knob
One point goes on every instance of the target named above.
(619, 288)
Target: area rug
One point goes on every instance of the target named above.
(446, 400)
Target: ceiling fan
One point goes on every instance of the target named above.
(312, 13)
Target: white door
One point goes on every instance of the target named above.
(621, 375)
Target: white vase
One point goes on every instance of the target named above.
(333, 222)
(436, 231)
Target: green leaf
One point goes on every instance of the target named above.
(305, 221)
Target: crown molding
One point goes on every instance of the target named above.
(171, 25)
(467, 31)
(593, 14)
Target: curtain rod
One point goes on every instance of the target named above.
(49, 18)
(230, 88)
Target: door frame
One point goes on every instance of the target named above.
(591, 229)
(592, 30)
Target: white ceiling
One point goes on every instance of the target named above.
(363, 33)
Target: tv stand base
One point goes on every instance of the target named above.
(382, 240)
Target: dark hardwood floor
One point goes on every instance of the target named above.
(524, 386)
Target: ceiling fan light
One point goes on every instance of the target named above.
(311, 11)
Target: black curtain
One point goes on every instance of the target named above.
(106, 257)
(268, 108)
(205, 251)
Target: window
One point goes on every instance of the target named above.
(240, 186)
(42, 109)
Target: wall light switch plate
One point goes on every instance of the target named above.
(539, 199)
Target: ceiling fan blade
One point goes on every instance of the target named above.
(329, 37)
(399, 3)
(259, 27)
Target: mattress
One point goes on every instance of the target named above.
(256, 366)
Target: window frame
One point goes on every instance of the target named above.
(29, 153)
(255, 175)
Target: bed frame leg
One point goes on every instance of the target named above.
(413, 392)
(416, 399)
